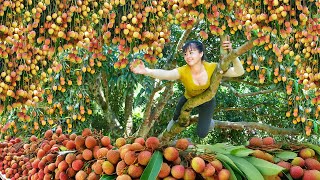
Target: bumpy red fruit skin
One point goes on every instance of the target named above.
(306, 153)
(311, 175)
(255, 141)
(177, 171)
(312, 164)
(152, 143)
(171, 153)
(298, 161)
(296, 172)
(268, 141)
(198, 164)
(182, 144)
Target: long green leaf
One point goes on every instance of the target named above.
(286, 155)
(241, 152)
(232, 174)
(153, 168)
(251, 172)
(265, 167)
(108, 177)
(225, 159)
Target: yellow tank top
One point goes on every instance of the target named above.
(192, 89)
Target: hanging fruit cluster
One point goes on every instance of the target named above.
(51, 48)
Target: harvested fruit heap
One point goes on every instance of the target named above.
(92, 156)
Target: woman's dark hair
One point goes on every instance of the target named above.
(194, 44)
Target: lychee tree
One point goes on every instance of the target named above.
(63, 61)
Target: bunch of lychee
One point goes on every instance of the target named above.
(174, 168)
(306, 166)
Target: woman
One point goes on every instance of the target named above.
(195, 77)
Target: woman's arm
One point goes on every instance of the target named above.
(155, 73)
(236, 70)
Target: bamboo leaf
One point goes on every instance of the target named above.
(286, 155)
(108, 177)
(153, 168)
(250, 171)
(265, 167)
(241, 152)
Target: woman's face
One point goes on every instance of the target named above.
(192, 56)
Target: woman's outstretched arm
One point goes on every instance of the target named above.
(155, 73)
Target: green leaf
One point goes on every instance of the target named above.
(232, 174)
(153, 168)
(265, 167)
(226, 160)
(286, 155)
(287, 174)
(251, 172)
(108, 177)
(241, 152)
(315, 127)
(314, 147)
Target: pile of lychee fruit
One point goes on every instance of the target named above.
(92, 155)
(305, 165)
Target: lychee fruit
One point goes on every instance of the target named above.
(224, 174)
(152, 143)
(182, 144)
(164, 171)
(171, 153)
(311, 175)
(298, 161)
(312, 164)
(177, 171)
(255, 141)
(296, 172)
(198, 164)
(144, 157)
(306, 153)
(268, 141)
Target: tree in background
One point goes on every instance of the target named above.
(65, 62)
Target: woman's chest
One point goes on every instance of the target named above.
(200, 79)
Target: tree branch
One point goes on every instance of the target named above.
(251, 126)
(229, 79)
(248, 94)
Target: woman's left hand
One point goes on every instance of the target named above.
(227, 45)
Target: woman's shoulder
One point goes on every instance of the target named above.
(210, 64)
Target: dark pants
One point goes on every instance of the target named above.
(205, 115)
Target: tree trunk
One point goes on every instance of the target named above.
(128, 113)
(216, 78)
(101, 98)
(155, 112)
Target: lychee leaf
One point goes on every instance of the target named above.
(250, 171)
(266, 168)
(226, 160)
(241, 152)
(232, 174)
(108, 177)
(153, 168)
(286, 155)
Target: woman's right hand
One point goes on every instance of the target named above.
(138, 67)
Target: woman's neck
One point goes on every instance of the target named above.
(197, 68)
